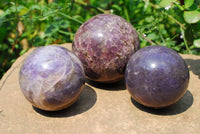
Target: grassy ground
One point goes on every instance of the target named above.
(25, 24)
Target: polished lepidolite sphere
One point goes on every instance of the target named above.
(156, 76)
(104, 44)
(52, 78)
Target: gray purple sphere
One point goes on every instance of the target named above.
(156, 76)
(104, 44)
(52, 78)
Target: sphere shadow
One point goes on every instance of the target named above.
(116, 86)
(179, 107)
(194, 66)
(86, 101)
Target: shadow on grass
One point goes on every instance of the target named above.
(86, 101)
(179, 107)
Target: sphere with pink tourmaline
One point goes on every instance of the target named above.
(52, 78)
(104, 44)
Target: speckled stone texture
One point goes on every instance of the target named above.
(52, 78)
(156, 76)
(104, 44)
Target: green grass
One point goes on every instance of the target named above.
(31, 23)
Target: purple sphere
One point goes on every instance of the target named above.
(156, 76)
(104, 44)
(52, 78)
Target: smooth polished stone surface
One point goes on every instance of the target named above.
(52, 78)
(100, 109)
(156, 76)
(104, 44)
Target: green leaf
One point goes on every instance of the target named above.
(189, 35)
(149, 19)
(194, 7)
(35, 7)
(53, 28)
(23, 51)
(191, 16)
(1, 12)
(197, 43)
(165, 3)
(3, 32)
(117, 7)
(12, 3)
(127, 15)
(69, 17)
(179, 6)
(12, 10)
(13, 60)
(188, 3)
(153, 36)
(23, 11)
